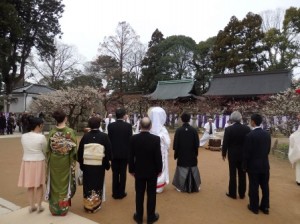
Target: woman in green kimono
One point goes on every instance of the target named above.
(61, 155)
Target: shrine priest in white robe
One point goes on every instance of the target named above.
(108, 120)
(209, 132)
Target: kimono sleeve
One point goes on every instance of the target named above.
(131, 165)
(80, 152)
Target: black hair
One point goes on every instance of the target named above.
(120, 113)
(185, 117)
(33, 122)
(94, 122)
(59, 115)
(257, 119)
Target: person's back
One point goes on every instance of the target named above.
(94, 155)
(2, 121)
(232, 148)
(256, 163)
(257, 155)
(145, 164)
(186, 143)
(32, 143)
(33, 168)
(24, 122)
(119, 133)
(61, 154)
(185, 146)
(158, 118)
(234, 138)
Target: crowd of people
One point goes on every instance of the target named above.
(144, 153)
(11, 122)
(7, 123)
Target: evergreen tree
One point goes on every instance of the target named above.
(238, 48)
(203, 65)
(150, 63)
(24, 25)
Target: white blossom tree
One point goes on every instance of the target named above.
(284, 104)
(76, 102)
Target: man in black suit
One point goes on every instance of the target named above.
(256, 163)
(233, 143)
(119, 134)
(145, 164)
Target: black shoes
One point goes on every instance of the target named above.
(115, 197)
(123, 195)
(234, 197)
(151, 221)
(230, 196)
(254, 211)
(265, 210)
(136, 219)
(119, 197)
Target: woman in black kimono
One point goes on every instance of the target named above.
(94, 154)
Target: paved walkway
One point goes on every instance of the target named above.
(7, 207)
(13, 214)
(14, 135)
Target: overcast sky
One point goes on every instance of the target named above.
(86, 23)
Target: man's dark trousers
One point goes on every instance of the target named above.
(236, 166)
(141, 184)
(256, 180)
(119, 170)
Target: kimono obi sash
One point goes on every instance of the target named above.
(93, 154)
(61, 143)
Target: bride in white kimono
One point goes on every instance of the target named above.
(294, 153)
(158, 118)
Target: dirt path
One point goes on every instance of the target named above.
(210, 205)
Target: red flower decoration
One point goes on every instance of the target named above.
(297, 91)
(63, 204)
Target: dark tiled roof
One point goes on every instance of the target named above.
(250, 84)
(173, 89)
(34, 89)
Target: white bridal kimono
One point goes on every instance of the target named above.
(294, 152)
(158, 118)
